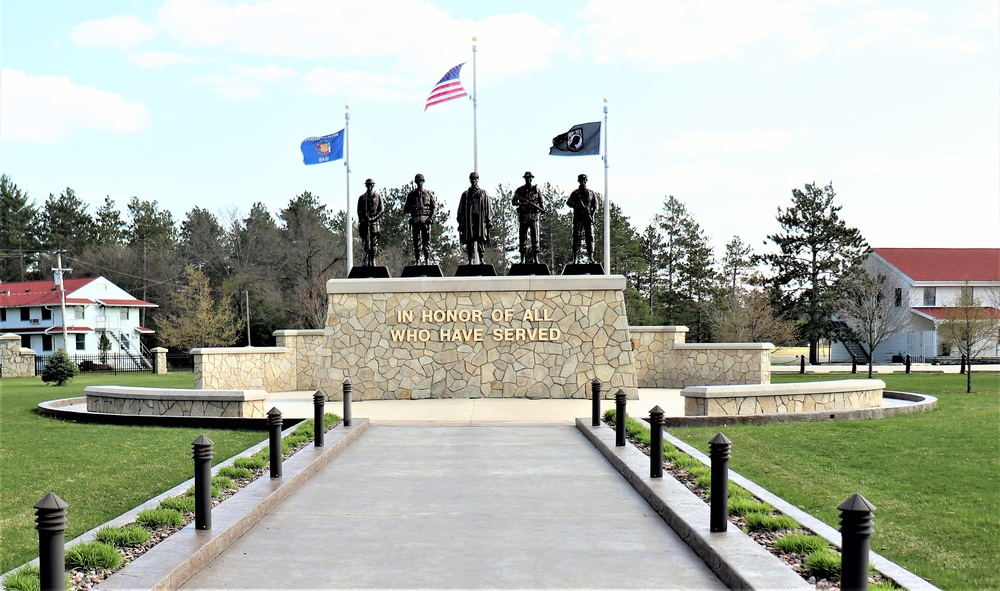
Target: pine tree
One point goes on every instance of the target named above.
(816, 251)
(19, 233)
(59, 368)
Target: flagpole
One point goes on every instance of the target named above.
(347, 165)
(475, 114)
(607, 199)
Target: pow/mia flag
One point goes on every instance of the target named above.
(583, 139)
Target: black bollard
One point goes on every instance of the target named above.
(202, 454)
(962, 369)
(620, 398)
(595, 393)
(274, 441)
(854, 364)
(319, 428)
(50, 517)
(720, 450)
(656, 442)
(347, 402)
(802, 364)
(907, 364)
(856, 519)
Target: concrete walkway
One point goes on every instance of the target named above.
(445, 506)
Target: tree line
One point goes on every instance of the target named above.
(211, 265)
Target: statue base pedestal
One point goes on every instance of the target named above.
(583, 269)
(369, 273)
(422, 271)
(521, 269)
(475, 271)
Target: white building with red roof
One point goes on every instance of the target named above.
(94, 305)
(930, 280)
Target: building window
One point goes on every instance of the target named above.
(967, 294)
(46, 342)
(930, 296)
(899, 297)
(26, 341)
(46, 313)
(81, 342)
(78, 312)
(3, 314)
(124, 341)
(25, 314)
(124, 313)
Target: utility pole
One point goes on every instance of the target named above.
(58, 270)
(247, 294)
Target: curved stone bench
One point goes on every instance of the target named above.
(758, 399)
(175, 402)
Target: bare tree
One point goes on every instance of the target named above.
(970, 327)
(748, 317)
(869, 308)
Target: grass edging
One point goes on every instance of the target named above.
(890, 569)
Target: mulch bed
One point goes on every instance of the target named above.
(765, 538)
(86, 580)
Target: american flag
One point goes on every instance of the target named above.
(448, 87)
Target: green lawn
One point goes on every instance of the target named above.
(932, 476)
(102, 471)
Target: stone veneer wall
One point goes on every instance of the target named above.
(16, 361)
(307, 350)
(242, 368)
(506, 337)
(782, 398)
(664, 360)
(170, 402)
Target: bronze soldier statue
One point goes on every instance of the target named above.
(474, 220)
(370, 210)
(528, 201)
(584, 204)
(420, 204)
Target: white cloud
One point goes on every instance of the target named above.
(160, 59)
(118, 31)
(672, 32)
(241, 82)
(902, 27)
(422, 36)
(46, 109)
(737, 142)
(355, 85)
(989, 15)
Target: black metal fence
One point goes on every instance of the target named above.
(111, 363)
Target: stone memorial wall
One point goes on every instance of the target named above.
(478, 337)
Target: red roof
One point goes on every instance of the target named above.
(24, 294)
(944, 264)
(40, 293)
(949, 313)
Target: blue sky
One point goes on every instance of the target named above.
(726, 105)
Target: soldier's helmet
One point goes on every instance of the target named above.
(419, 177)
